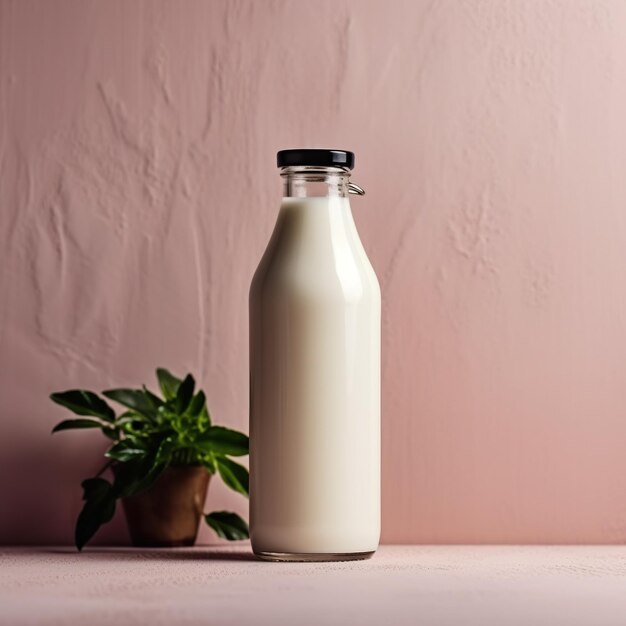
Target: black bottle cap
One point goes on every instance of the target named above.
(323, 158)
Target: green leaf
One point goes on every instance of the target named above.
(148, 479)
(78, 423)
(204, 418)
(153, 398)
(209, 462)
(98, 509)
(95, 488)
(84, 403)
(129, 417)
(166, 449)
(125, 450)
(196, 405)
(136, 475)
(134, 399)
(184, 394)
(168, 382)
(228, 525)
(111, 433)
(234, 475)
(223, 441)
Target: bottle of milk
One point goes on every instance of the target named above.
(315, 373)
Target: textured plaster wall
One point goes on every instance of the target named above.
(138, 189)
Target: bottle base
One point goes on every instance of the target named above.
(306, 557)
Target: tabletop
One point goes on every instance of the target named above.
(430, 585)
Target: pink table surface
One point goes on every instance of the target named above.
(428, 585)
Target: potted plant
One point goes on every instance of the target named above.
(163, 452)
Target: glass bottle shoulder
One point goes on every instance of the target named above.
(315, 249)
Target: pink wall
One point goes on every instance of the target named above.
(138, 189)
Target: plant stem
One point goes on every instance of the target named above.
(104, 468)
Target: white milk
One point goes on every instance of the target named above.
(315, 388)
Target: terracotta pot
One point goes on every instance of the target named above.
(168, 513)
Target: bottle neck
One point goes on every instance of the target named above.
(315, 182)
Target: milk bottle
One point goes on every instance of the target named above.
(315, 373)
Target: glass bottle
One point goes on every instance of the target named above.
(315, 373)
